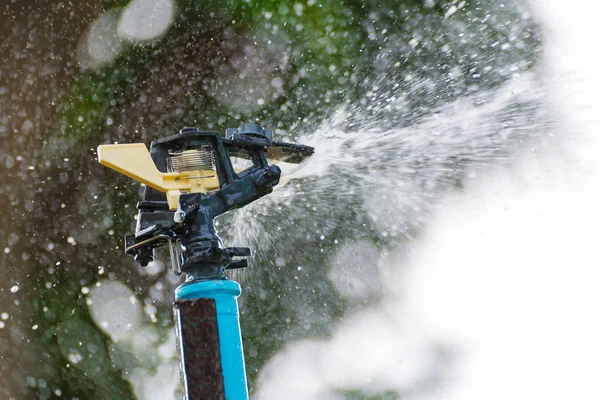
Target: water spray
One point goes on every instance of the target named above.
(190, 180)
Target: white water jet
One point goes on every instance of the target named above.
(497, 297)
(509, 272)
(388, 346)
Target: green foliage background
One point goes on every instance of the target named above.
(54, 113)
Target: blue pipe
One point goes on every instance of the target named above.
(225, 293)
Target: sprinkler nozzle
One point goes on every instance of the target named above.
(268, 178)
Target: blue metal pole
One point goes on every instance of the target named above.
(224, 293)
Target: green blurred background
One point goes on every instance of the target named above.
(74, 75)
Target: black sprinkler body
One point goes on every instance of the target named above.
(195, 247)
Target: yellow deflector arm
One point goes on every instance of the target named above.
(134, 161)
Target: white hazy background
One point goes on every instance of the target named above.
(499, 297)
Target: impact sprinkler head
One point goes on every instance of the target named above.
(190, 180)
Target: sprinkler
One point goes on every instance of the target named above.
(190, 179)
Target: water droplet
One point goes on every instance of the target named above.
(298, 9)
(14, 289)
(277, 82)
(9, 162)
(75, 358)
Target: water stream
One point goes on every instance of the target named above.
(495, 296)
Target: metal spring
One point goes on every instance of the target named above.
(191, 160)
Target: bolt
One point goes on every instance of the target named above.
(179, 216)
